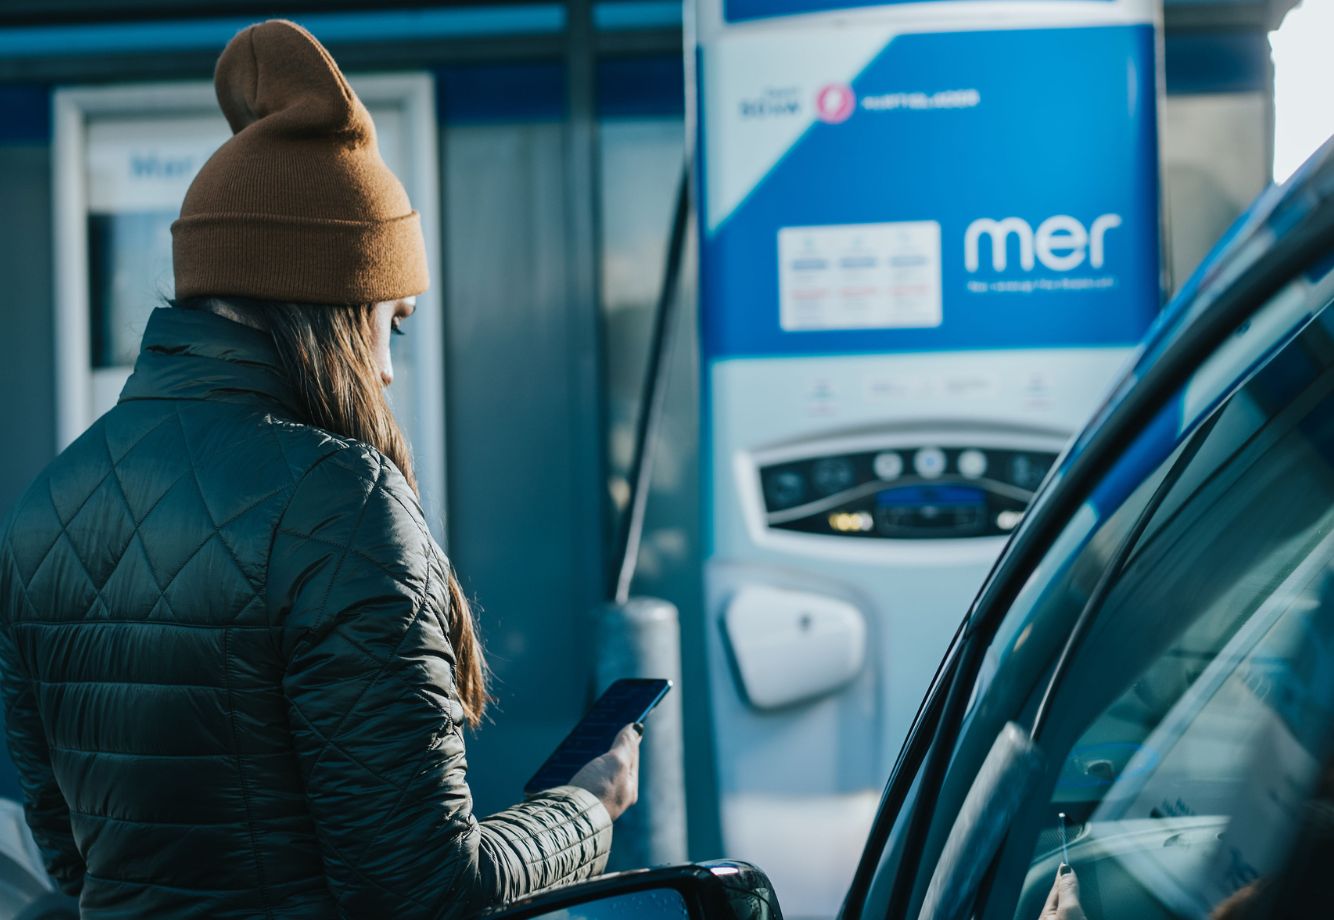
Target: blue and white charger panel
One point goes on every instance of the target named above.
(929, 237)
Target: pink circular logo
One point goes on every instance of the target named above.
(835, 103)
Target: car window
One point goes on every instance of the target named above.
(1023, 647)
(1056, 591)
(1188, 730)
(1019, 657)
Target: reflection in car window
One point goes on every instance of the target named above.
(1019, 655)
(1058, 587)
(1023, 647)
(1190, 728)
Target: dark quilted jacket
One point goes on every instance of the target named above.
(226, 677)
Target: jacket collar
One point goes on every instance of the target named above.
(194, 354)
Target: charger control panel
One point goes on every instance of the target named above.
(915, 492)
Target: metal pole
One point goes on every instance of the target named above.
(633, 637)
(653, 400)
(642, 638)
(588, 480)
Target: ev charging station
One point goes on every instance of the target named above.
(930, 237)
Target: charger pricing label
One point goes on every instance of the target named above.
(860, 276)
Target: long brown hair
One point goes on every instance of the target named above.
(326, 352)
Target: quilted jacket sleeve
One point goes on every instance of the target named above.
(357, 587)
(43, 805)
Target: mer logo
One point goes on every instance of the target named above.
(1061, 243)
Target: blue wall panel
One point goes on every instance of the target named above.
(1216, 62)
(501, 93)
(25, 115)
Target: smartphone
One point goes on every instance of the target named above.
(627, 700)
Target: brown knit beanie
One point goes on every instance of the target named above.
(297, 205)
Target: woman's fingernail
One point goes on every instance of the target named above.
(639, 727)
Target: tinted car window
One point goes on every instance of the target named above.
(1021, 649)
(1187, 734)
(1019, 657)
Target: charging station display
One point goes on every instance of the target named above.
(929, 239)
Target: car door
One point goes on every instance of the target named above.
(1187, 721)
(1071, 642)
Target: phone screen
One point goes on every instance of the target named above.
(625, 701)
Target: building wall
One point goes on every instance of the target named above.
(513, 523)
(1217, 143)
(27, 359)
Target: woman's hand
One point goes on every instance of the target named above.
(1063, 902)
(614, 777)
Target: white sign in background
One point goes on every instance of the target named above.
(138, 164)
(138, 168)
(146, 163)
(860, 276)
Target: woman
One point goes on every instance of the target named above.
(236, 667)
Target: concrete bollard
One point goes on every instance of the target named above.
(642, 638)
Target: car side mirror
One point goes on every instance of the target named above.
(722, 889)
